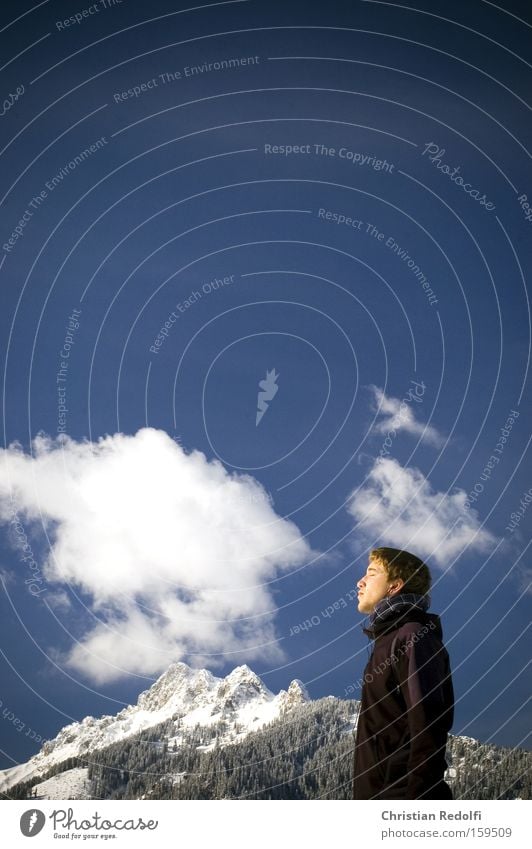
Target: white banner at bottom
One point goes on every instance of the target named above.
(255, 824)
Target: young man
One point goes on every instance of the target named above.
(407, 696)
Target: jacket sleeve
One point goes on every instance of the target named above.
(424, 676)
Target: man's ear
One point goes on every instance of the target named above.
(396, 586)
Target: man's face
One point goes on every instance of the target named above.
(373, 587)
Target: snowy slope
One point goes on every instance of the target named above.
(194, 695)
(72, 784)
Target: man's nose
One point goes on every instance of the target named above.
(360, 583)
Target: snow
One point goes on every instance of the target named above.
(72, 784)
(196, 696)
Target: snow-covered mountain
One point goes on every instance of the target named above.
(195, 696)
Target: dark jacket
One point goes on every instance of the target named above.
(406, 712)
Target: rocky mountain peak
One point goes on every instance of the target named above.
(296, 695)
(179, 682)
(240, 686)
(188, 696)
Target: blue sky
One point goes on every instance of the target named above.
(323, 203)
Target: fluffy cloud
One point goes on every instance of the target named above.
(398, 507)
(399, 415)
(173, 552)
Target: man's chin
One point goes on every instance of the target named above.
(362, 608)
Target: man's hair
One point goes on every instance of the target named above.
(401, 564)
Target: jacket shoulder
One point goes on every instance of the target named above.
(430, 627)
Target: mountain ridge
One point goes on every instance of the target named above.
(196, 696)
(192, 735)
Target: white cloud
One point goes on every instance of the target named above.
(398, 507)
(399, 415)
(171, 549)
